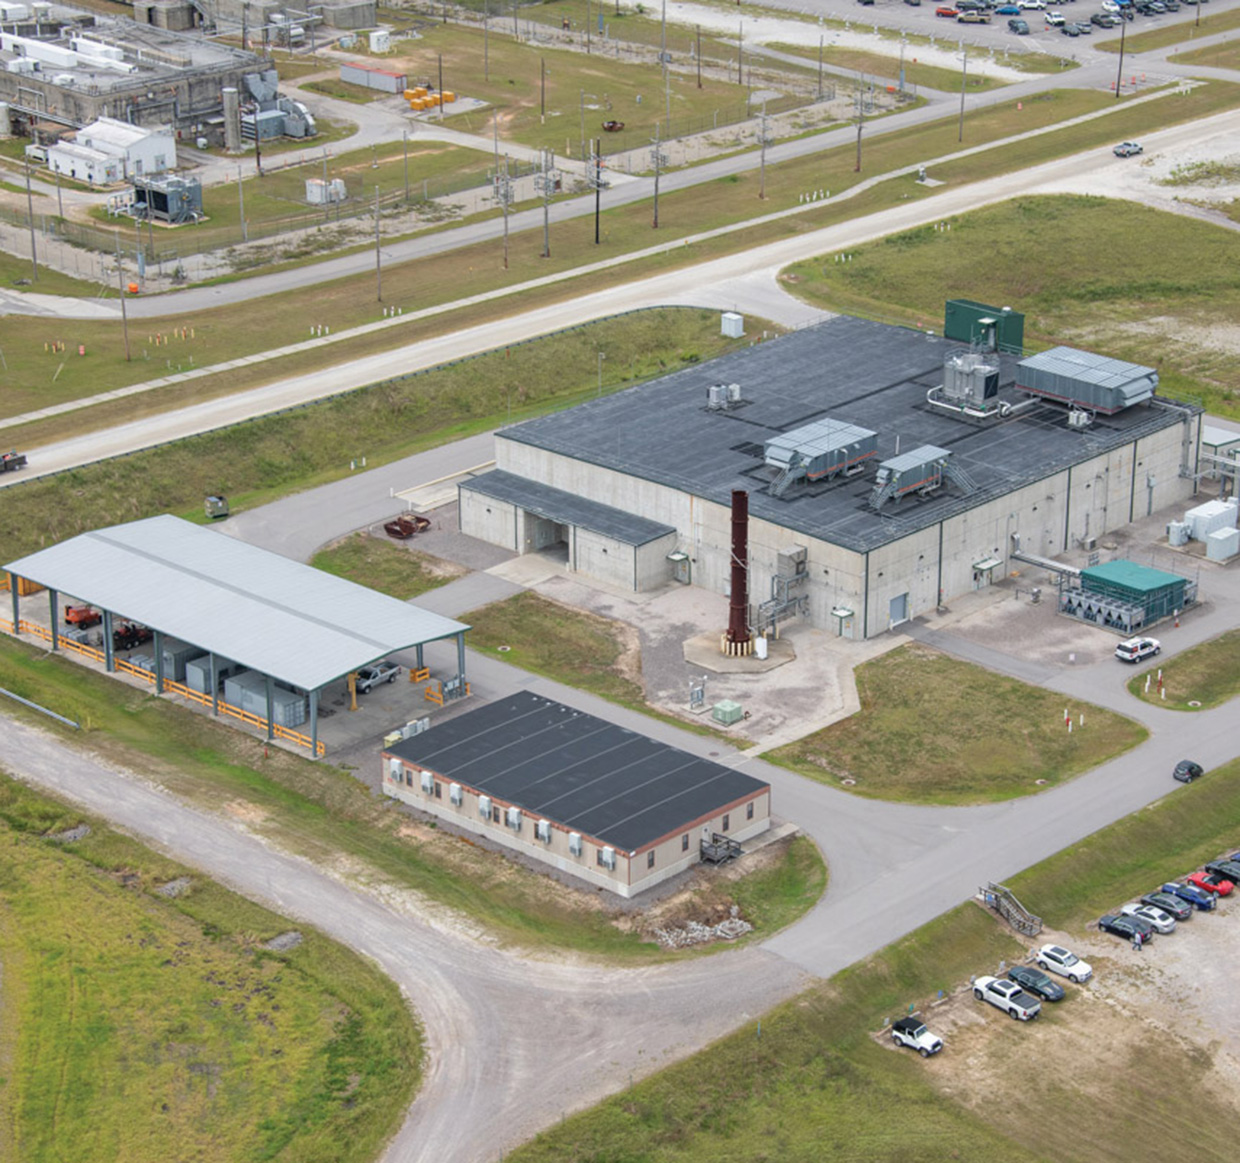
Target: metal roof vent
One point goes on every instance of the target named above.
(721, 397)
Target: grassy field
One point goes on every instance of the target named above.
(396, 570)
(174, 1034)
(279, 196)
(613, 89)
(1175, 34)
(814, 1086)
(1200, 678)
(919, 736)
(262, 459)
(1057, 259)
(877, 65)
(321, 812)
(1218, 56)
(573, 647)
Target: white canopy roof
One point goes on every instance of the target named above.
(274, 615)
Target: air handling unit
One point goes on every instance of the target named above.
(1082, 378)
(919, 472)
(970, 388)
(819, 451)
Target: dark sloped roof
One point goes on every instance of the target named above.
(553, 761)
(567, 508)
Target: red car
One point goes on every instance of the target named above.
(1210, 883)
(947, 10)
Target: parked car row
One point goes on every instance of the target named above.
(1160, 911)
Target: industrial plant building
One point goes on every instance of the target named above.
(888, 470)
(67, 67)
(109, 151)
(602, 804)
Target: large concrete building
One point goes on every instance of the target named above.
(888, 471)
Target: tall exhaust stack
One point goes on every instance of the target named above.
(737, 640)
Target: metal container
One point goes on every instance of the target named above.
(827, 448)
(1080, 377)
(917, 471)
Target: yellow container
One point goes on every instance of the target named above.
(417, 103)
(420, 91)
(448, 97)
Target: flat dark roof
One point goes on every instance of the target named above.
(567, 508)
(870, 374)
(564, 765)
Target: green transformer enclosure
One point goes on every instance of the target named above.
(993, 328)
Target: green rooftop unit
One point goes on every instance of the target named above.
(993, 328)
(1158, 593)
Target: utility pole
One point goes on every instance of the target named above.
(902, 43)
(663, 38)
(495, 134)
(860, 123)
(740, 54)
(120, 286)
(658, 159)
(486, 45)
(34, 256)
(60, 205)
(820, 67)
(441, 86)
(587, 27)
(1119, 77)
(598, 186)
(699, 55)
(764, 138)
(503, 193)
(245, 233)
(667, 95)
(545, 182)
(964, 76)
(404, 133)
(378, 262)
(542, 90)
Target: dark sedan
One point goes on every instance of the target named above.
(1036, 982)
(1127, 927)
(1191, 894)
(1227, 869)
(1179, 909)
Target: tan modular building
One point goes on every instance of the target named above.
(605, 805)
(888, 471)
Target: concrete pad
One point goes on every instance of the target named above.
(703, 651)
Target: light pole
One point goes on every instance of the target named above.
(764, 138)
(601, 357)
(545, 181)
(860, 123)
(964, 73)
(1119, 77)
(658, 159)
(378, 262)
(34, 256)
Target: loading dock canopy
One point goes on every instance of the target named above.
(567, 508)
(288, 620)
(613, 785)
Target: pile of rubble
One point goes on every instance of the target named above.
(695, 933)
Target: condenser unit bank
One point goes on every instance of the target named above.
(1070, 376)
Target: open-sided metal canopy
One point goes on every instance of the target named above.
(295, 623)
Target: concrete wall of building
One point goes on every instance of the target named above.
(653, 568)
(494, 522)
(630, 875)
(930, 566)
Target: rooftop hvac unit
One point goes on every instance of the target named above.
(543, 831)
(1079, 418)
(484, 807)
(455, 795)
(394, 769)
(574, 843)
(416, 727)
(428, 782)
(607, 858)
(513, 819)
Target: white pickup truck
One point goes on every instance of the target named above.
(1007, 996)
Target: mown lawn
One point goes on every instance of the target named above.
(813, 1085)
(140, 1027)
(932, 729)
(1059, 259)
(1202, 677)
(321, 812)
(393, 569)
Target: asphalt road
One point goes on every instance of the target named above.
(743, 280)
